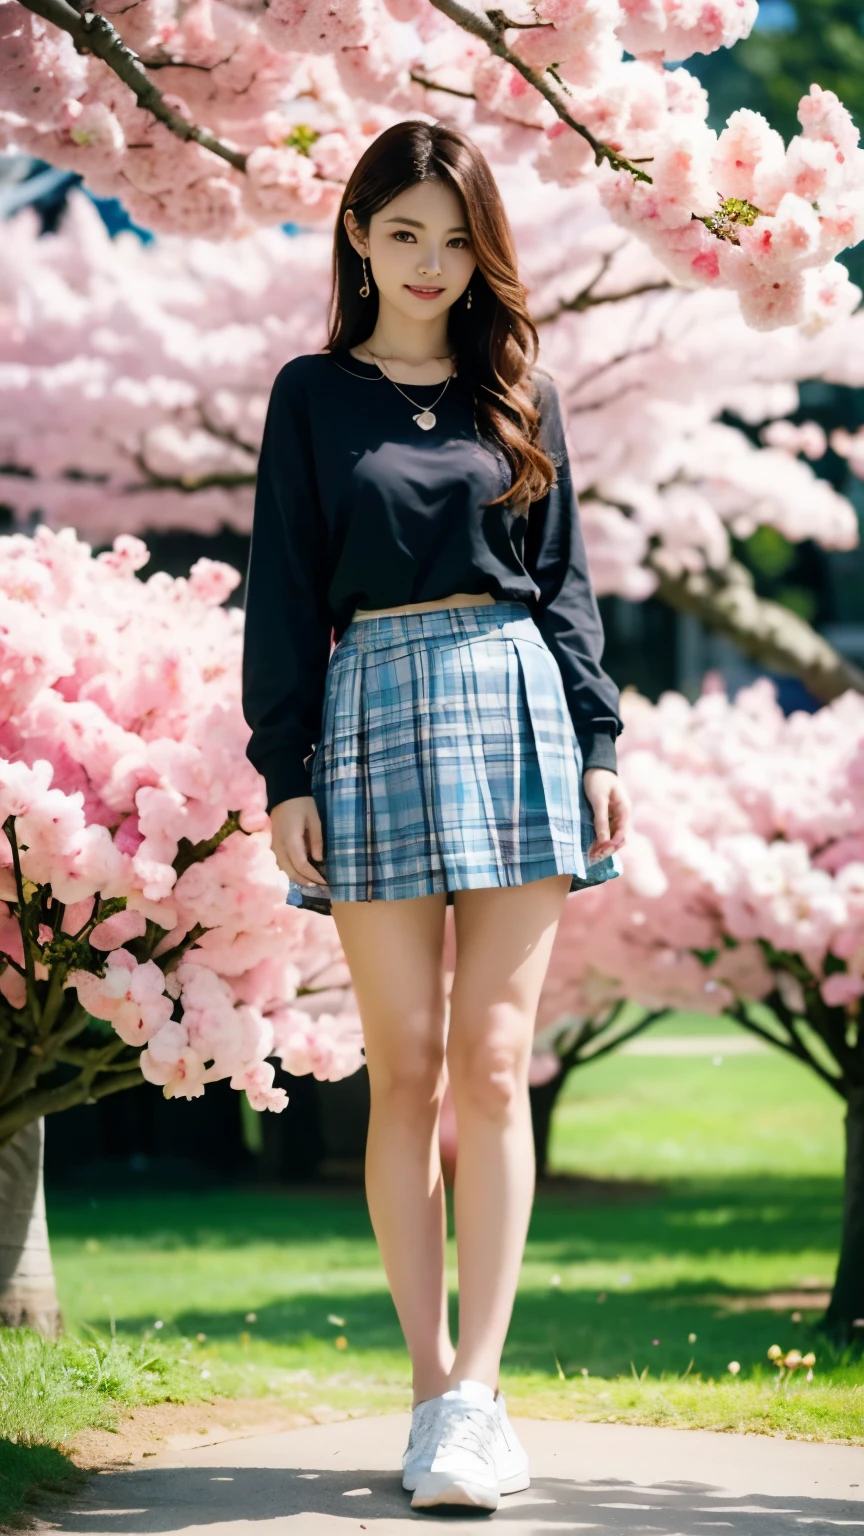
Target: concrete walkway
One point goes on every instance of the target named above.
(604, 1478)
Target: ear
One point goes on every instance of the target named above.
(355, 234)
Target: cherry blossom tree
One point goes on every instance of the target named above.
(144, 925)
(293, 91)
(135, 382)
(742, 895)
(144, 930)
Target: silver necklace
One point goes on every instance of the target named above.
(425, 417)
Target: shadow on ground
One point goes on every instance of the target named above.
(171, 1500)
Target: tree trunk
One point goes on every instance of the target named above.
(544, 1097)
(726, 602)
(844, 1320)
(28, 1295)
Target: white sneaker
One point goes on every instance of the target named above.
(462, 1469)
(511, 1459)
(422, 1440)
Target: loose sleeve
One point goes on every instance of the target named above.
(566, 610)
(287, 626)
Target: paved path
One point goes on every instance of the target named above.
(603, 1478)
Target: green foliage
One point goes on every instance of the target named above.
(301, 138)
(768, 553)
(825, 44)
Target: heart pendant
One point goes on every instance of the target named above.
(425, 419)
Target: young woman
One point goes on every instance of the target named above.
(414, 501)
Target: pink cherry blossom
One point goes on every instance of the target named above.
(805, 437)
(747, 145)
(296, 92)
(749, 832)
(850, 445)
(130, 996)
(677, 28)
(122, 764)
(100, 403)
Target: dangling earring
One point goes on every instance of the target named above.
(468, 304)
(364, 291)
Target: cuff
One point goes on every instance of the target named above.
(598, 751)
(286, 778)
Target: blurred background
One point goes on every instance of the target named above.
(649, 645)
(690, 1183)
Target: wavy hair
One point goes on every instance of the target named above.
(495, 341)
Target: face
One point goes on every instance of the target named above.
(419, 249)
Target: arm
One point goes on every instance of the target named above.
(287, 626)
(566, 611)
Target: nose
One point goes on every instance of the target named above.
(431, 264)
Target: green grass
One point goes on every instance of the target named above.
(26, 1471)
(49, 1391)
(721, 1185)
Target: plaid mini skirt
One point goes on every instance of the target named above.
(447, 761)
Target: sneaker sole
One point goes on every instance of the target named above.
(513, 1484)
(437, 1488)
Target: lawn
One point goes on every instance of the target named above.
(708, 1227)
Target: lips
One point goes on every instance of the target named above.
(424, 293)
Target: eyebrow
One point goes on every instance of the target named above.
(418, 224)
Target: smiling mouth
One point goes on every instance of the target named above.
(419, 288)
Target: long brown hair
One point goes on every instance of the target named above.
(495, 341)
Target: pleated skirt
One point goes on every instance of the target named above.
(447, 761)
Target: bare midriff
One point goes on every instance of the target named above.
(456, 600)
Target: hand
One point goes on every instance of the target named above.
(611, 806)
(296, 836)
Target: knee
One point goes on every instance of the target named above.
(490, 1072)
(411, 1076)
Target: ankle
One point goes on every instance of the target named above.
(429, 1390)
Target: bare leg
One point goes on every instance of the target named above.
(394, 951)
(504, 937)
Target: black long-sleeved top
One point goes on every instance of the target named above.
(357, 507)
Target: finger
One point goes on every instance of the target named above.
(601, 821)
(620, 817)
(316, 839)
(307, 873)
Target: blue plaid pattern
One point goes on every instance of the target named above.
(447, 760)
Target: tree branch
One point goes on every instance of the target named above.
(490, 28)
(432, 85)
(794, 1047)
(51, 1100)
(588, 300)
(23, 921)
(92, 33)
(224, 480)
(626, 1034)
(42, 1058)
(726, 602)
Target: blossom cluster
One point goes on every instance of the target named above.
(135, 381)
(124, 780)
(300, 89)
(744, 873)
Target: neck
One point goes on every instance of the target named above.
(414, 342)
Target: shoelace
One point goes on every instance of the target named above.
(468, 1427)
